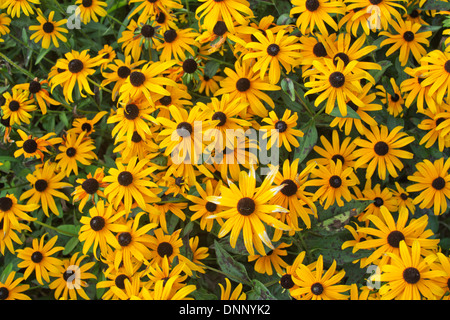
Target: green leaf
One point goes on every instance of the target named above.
(70, 245)
(307, 142)
(211, 68)
(260, 292)
(235, 270)
(6, 271)
(288, 87)
(436, 5)
(377, 74)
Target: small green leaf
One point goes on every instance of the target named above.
(235, 270)
(260, 292)
(288, 87)
(307, 142)
(70, 245)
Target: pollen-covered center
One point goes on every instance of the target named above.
(246, 206)
(317, 288)
(381, 148)
(411, 275)
(90, 185)
(164, 249)
(394, 238)
(336, 79)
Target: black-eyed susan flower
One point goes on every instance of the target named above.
(46, 182)
(281, 130)
(152, 8)
(89, 188)
(357, 237)
(228, 293)
(140, 147)
(148, 81)
(198, 253)
(410, 276)
(9, 237)
(31, 146)
(246, 209)
(335, 83)
(353, 21)
(203, 208)
(272, 260)
(408, 39)
(163, 290)
(108, 54)
(134, 242)
(272, 53)
(90, 10)
(38, 90)
(11, 289)
(393, 102)
(165, 271)
(438, 126)
(294, 197)
(333, 182)
(18, 106)
(404, 200)
(209, 85)
(75, 68)
(97, 228)
(246, 84)
(5, 21)
(435, 66)
(114, 278)
(86, 125)
(414, 91)
(130, 288)
(290, 272)
(312, 49)
(387, 234)
(178, 42)
(11, 213)
(38, 258)
(130, 183)
(381, 151)
(317, 285)
(74, 150)
(211, 11)
(379, 197)
(15, 7)
(161, 213)
(71, 278)
(432, 180)
(316, 13)
(48, 30)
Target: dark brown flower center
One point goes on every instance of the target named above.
(170, 35)
(335, 181)
(166, 100)
(90, 185)
(125, 178)
(404, 196)
(34, 87)
(86, 127)
(447, 66)
(164, 249)
(119, 281)
(246, 206)
(381, 148)
(37, 257)
(286, 281)
(394, 238)
(411, 275)
(408, 36)
(71, 152)
(48, 27)
(87, 3)
(124, 239)
(190, 65)
(131, 111)
(312, 5)
(136, 137)
(210, 206)
(336, 79)
(5, 204)
(378, 202)
(97, 223)
(319, 50)
(243, 84)
(221, 117)
(337, 157)
(317, 288)
(438, 183)
(344, 57)
(220, 28)
(184, 129)
(281, 126)
(4, 293)
(395, 97)
(137, 78)
(147, 31)
(30, 146)
(41, 185)
(123, 72)
(375, 2)
(14, 105)
(68, 274)
(75, 66)
(273, 49)
(290, 188)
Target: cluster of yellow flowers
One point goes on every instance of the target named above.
(166, 156)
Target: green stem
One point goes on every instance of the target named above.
(225, 274)
(17, 186)
(24, 71)
(217, 60)
(28, 47)
(56, 229)
(99, 85)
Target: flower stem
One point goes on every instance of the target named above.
(70, 234)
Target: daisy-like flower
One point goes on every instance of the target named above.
(415, 91)
(312, 49)
(97, 229)
(438, 127)
(335, 83)
(432, 180)
(39, 259)
(75, 149)
(134, 243)
(228, 293)
(314, 13)
(228, 11)
(148, 81)
(357, 237)
(48, 30)
(435, 66)
(129, 183)
(38, 90)
(89, 188)
(15, 7)
(115, 279)
(272, 260)
(11, 213)
(407, 39)
(209, 85)
(11, 236)
(380, 198)
(88, 10)
(11, 289)
(393, 102)
(176, 43)
(246, 84)
(165, 271)
(17, 107)
(5, 21)
(198, 253)
(70, 278)
(317, 285)
(86, 125)
(290, 272)
(387, 235)
(382, 150)
(293, 196)
(108, 54)
(141, 147)
(33, 146)
(246, 209)
(381, 12)
(272, 52)
(281, 131)
(46, 180)
(154, 8)
(121, 69)
(352, 21)
(334, 182)
(404, 200)
(203, 208)
(163, 291)
(410, 276)
(75, 69)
